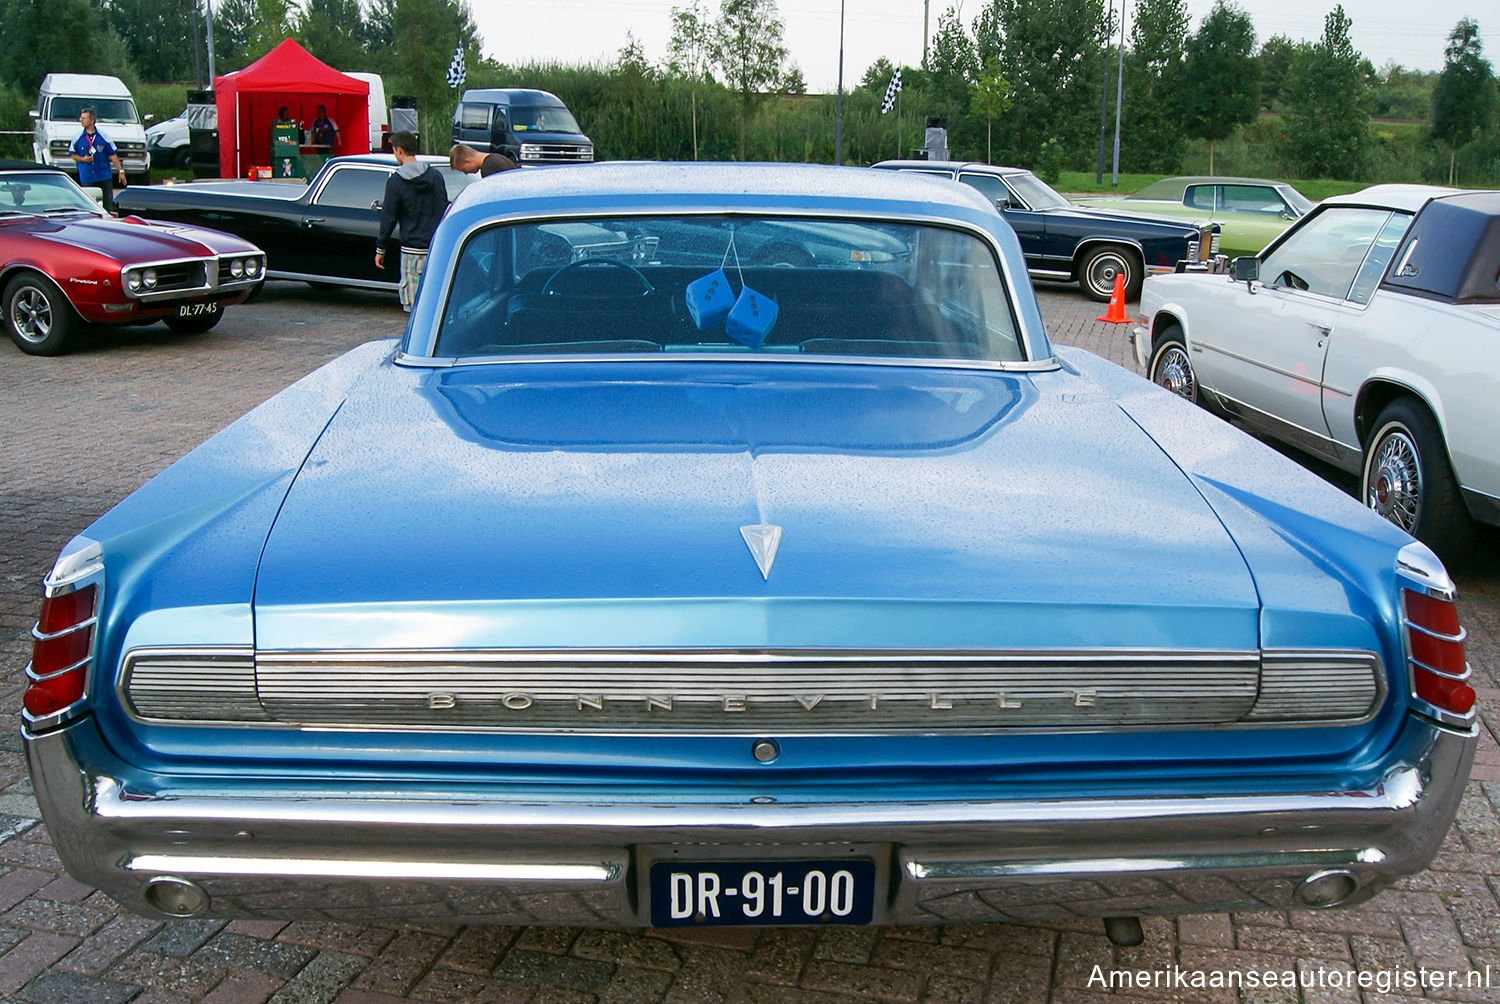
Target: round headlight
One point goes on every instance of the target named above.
(134, 282)
(252, 267)
(149, 278)
(237, 268)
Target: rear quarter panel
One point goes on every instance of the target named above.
(1447, 355)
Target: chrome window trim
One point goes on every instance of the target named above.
(505, 219)
(440, 362)
(499, 657)
(314, 194)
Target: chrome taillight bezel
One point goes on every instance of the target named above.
(79, 566)
(1419, 571)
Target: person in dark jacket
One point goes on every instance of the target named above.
(415, 200)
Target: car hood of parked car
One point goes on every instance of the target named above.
(514, 499)
(124, 241)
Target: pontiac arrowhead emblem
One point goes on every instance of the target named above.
(763, 539)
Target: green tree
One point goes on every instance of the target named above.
(688, 54)
(989, 96)
(1219, 59)
(234, 21)
(1464, 98)
(1150, 122)
(1401, 93)
(1049, 50)
(158, 35)
(425, 33)
(1275, 59)
(62, 36)
(793, 82)
(375, 32)
(1327, 106)
(334, 31)
(275, 22)
(747, 48)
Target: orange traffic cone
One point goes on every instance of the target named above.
(1116, 312)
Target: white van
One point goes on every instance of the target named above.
(63, 96)
(380, 116)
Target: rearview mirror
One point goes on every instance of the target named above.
(1245, 268)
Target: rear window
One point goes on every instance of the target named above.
(773, 286)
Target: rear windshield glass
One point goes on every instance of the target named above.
(542, 118)
(769, 285)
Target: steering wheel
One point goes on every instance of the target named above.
(596, 265)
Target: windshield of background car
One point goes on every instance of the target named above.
(41, 192)
(772, 286)
(105, 109)
(1035, 192)
(542, 118)
(1325, 253)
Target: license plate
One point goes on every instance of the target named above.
(709, 893)
(197, 309)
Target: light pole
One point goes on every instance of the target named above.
(209, 22)
(838, 110)
(1119, 95)
(1104, 97)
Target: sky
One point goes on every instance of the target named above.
(590, 31)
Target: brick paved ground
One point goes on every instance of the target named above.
(83, 430)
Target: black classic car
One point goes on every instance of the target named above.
(323, 232)
(1067, 243)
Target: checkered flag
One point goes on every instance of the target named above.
(456, 68)
(891, 90)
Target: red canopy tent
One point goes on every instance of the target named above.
(248, 101)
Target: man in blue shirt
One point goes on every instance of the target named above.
(95, 155)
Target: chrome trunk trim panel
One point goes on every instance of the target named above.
(733, 692)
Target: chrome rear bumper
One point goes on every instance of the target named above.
(309, 852)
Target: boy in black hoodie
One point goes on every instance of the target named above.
(415, 199)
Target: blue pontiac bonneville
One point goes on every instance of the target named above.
(643, 584)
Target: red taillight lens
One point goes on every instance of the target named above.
(60, 651)
(68, 610)
(45, 697)
(53, 655)
(1436, 640)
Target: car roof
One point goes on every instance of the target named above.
(681, 184)
(26, 165)
(86, 85)
(1409, 198)
(384, 159)
(1220, 179)
(949, 165)
(510, 95)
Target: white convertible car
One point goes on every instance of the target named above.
(1368, 335)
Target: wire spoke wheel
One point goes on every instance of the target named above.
(1394, 489)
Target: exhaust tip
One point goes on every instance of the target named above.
(1327, 888)
(176, 897)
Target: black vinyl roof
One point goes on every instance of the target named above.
(26, 165)
(1451, 251)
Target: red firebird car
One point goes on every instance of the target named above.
(64, 263)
